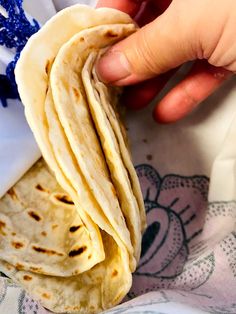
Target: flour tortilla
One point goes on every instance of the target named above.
(98, 288)
(77, 150)
(109, 106)
(37, 59)
(102, 106)
(40, 229)
(71, 104)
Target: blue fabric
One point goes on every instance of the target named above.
(15, 30)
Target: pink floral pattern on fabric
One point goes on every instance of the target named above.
(175, 207)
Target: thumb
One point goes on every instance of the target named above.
(164, 44)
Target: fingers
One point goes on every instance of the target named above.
(130, 7)
(147, 13)
(140, 95)
(202, 81)
(158, 47)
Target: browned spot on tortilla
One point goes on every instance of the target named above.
(111, 34)
(27, 278)
(46, 296)
(64, 199)
(2, 225)
(76, 93)
(74, 228)
(54, 226)
(92, 307)
(78, 251)
(43, 233)
(47, 67)
(36, 269)
(114, 273)
(149, 157)
(19, 266)
(40, 188)
(113, 190)
(17, 245)
(13, 233)
(12, 194)
(81, 39)
(46, 251)
(89, 257)
(34, 215)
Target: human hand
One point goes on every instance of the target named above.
(175, 32)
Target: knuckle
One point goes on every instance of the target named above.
(144, 57)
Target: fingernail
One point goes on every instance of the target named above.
(113, 67)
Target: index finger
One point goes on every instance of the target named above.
(130, 7)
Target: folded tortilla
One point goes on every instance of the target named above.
(45, 247)
(75, 120)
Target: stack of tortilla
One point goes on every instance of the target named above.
(70, 229)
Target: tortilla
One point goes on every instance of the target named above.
(37, 60)
(55, 232)
(75, 121)
(74, 105)
(41, 230)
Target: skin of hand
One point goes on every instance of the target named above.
(172, 33)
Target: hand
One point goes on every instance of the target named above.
(174, 33)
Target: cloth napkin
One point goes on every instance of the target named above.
(187, 173)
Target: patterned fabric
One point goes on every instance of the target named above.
(187, 175)
(15, 30)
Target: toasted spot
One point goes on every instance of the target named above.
(27, 278)
(12, 194)
(46, 296)
(47, 67)
(74, 228)
(114, 273)
(17, 245)
(54, 226)
(36, 269)
(19, 266)
(78, 251)
(113, 190)
(110, 34)
(76, 92)
(2, 226)
(90, 255)
(81, 39)
(46, 251)
(40, 188)
(34, 215)
(64, 199)
(43, 233)
(13, 233)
